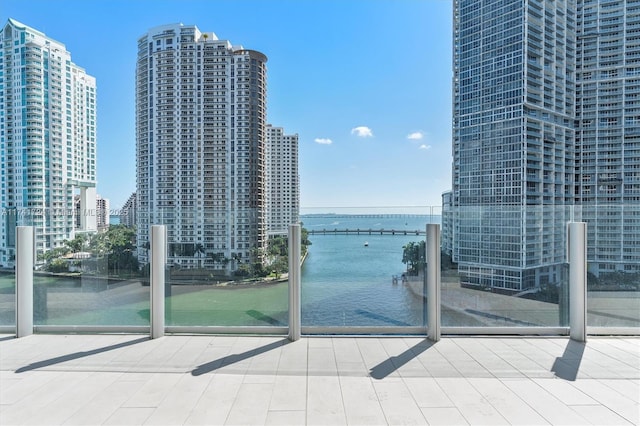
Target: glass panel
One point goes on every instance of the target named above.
(354, 275)
(214, 284)
(505, 266)
(613, 267)
(92, 280)
(7, 298)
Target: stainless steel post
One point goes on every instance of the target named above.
(157, 268)
(294, 283)
(578, 281)
(433, 281)
(24, 280)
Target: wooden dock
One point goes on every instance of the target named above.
(365, 232)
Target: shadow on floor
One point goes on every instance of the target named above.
(234, 358)
(70, 357)
(392, 364)
(567, 366)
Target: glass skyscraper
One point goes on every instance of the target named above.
(525, 160)
(608, 132)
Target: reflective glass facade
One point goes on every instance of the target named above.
(544, 119)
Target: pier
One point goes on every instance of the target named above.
(366, 232)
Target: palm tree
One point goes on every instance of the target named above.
(198, 250)
(236, 258)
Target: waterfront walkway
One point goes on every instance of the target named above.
(174, 380)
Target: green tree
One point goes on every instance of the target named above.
(217, 258)
(198, 250)
(77, 244)
(304, 240)
(413, 255)
(117, 244)
(57, 265)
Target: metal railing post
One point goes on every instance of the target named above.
(433, 281)
(578, 281)
(294, 283)
(24, 280)
(157, 276)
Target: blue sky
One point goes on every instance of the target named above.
(365, 83)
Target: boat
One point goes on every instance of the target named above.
(366, 243)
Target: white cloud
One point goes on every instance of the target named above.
(323, 141)
(362, 132)
(415, 136)
(423, 146)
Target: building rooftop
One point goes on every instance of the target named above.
(179, 379)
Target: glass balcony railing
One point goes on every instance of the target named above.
(7, 298)
(363, 271)
(357, 272)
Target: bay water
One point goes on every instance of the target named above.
(347, 280)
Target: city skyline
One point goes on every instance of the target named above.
(369, 95)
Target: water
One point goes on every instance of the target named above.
(345, 283)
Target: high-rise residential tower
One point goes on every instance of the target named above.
(102, 213)
(283, 180)
(513, 139)
(545, 132)
(47, 140)
(128, 213)
(200, 145)
(608, 132)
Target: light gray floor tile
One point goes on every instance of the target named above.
(352, 369)
(129, 416)
(26, 386)
(565, 392)
(178, 403)
(601, 416)
(510, 405)
(154, 390)
(289, 394)
(285, 418)
(106, 403)
(216, 400)
(346, 350)
(324, 401)
(322, 361)
(251, 405)
(544, 403)
(443, 416)
(397, 403)
(625, 405)
(360, 400)
(473, 406)
(427, 393)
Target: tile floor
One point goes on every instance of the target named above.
(211, 380)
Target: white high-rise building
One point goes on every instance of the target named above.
(200, 141)
(102, 213)
(128, 213)
(47, 140)
(283, 181)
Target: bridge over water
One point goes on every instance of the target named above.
(366, 232)
(366, 216)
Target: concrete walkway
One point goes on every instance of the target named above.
(210, 380)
